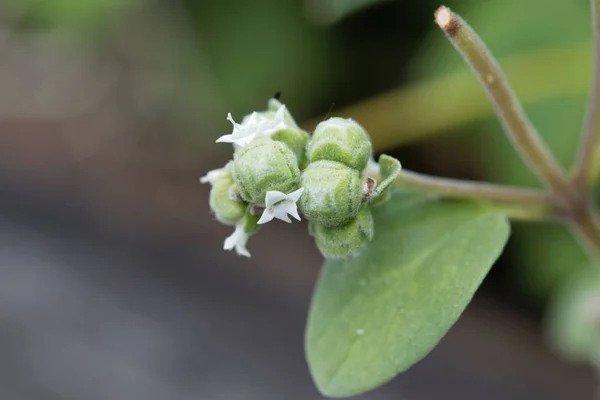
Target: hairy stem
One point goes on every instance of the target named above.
(518, 203)
(510, 112)
(586, 171)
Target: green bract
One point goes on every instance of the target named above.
(227, 210)
(264, 165)
(341, 140)
(332, 193)
(389, 169)
(345, 240)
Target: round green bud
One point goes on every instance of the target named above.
(345, 240)
(296, 140)
(341, 140)
(332, 193)
(226, 209)
(264, 165)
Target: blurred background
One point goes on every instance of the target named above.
(113, 281)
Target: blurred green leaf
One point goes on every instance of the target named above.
(508, 27)
(456, 99)
(254, 51)
(331, 11)
(78, 15)
(376, 315)
(573, 320)
(558, 120)
(547, 256)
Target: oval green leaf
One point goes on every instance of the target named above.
(376, 315)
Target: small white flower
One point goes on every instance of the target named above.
(238, 240)
(279, 205)
(254, 126)
(213, 175)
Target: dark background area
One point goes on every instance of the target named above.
(113, 281)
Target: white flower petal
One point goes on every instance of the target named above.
(289, 207)
(253, 126)
(274, 196)
(294, 213)
(266, 216)
(280, 114)
(280, 212)
(226, 139)
(295, 195)
(271, 127)
(230, 119)
(237, 240)
(213, 175)
(279, 205)
(252, 120)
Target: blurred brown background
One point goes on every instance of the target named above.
(113, 282)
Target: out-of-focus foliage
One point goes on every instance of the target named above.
(507, 27)
(251, 54)
(404, 115)
(234, 54)
(331, 11)
(81, 16)
(547, 253)
(574, 318)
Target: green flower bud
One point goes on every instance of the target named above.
(345, 240)
(264, 165)
(296, 140)
(226, 209)
(341, 140)
(332, 193)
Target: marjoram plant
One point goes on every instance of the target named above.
(405, 252)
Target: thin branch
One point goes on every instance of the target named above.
(519, 203)
(510, 112)
(585, 170)
(586, 224)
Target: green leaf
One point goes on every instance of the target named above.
(374, 316)
(573, 320)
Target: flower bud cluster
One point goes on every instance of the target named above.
(278, 169)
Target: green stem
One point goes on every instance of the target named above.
(518, 203)
(585, 223)
(585, 173)
(521, 132)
